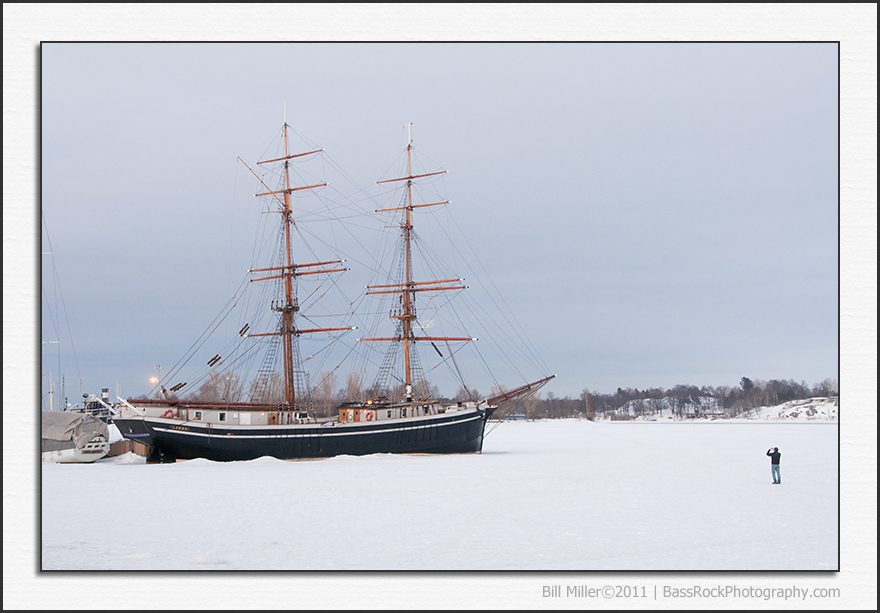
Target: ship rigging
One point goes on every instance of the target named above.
(397, 414)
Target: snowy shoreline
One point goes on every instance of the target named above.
(554, 495)
(809, 410)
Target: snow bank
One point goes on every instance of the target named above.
(811, 409)
(807, 410)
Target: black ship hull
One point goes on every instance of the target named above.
(171, 440)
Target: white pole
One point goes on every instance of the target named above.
(50, 372)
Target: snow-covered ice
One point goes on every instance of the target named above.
(550, 495)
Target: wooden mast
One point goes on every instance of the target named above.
(408, 287)
(408, 315)
(290, 304)
(288, 272)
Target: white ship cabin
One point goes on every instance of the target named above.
(245, 416)
(381, 412)
(230, 415)
(249, 418)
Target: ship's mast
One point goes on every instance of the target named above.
(408, 287)
(288, 272)
(290, 304)
(408, 315)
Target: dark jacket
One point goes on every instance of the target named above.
(774, 456)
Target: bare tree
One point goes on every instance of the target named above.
(324, 394)
(585, 398)
(465, 393)
(220, 387)
(354, 389)
(828, 387)
(273, 393)
(530, 404)
(423, 390)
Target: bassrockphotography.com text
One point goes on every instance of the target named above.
(667, 592)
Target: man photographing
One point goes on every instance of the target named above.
(775, 455)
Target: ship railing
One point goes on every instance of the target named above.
(132, 410)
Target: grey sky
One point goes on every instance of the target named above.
(653, 214)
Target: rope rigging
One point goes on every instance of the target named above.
(334, 228)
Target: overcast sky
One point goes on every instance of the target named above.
(653, 214)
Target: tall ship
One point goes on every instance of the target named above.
(399, 413)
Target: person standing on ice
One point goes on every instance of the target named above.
(774, 464)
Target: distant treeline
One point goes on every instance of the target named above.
(681, 400)
(325, 396)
